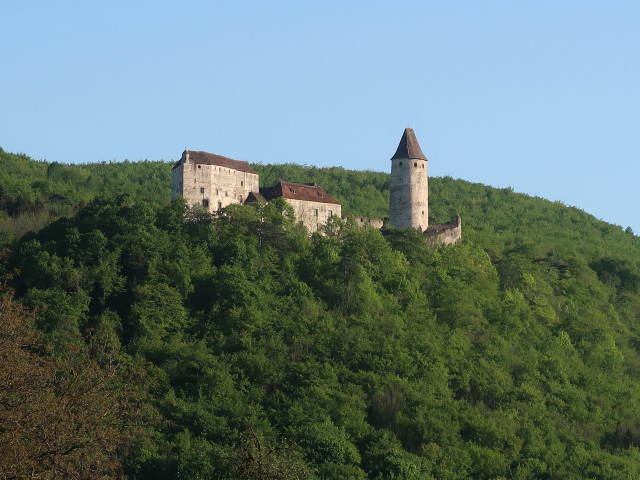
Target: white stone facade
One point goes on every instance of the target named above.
(312, 206)
(314, 215)
(212, 181)
(215, 182)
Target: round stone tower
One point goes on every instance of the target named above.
(409, 191)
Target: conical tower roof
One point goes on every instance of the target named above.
(409, 146)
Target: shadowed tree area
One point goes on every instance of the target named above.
(61, 416)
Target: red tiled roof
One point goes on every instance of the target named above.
(310, 192)
(255, 197)
(205, 158)
(409, 146)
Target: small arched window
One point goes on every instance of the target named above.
(415, 164)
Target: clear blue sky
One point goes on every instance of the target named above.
(542, 96)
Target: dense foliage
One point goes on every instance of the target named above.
(66, 416)
(33, 193)
(357, 354)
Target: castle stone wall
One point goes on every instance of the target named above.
(372, 222)
(444, 234)
(314, 214)
(211, 186)
(409, 194)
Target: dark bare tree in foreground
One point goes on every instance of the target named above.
(59, 417)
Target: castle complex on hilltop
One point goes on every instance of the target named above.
(214, 182)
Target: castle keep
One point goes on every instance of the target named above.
(409, 194)
(409, 185)
(215, 182)
(212, 181)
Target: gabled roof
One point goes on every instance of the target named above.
(254, 197)
(409, 147)
(310, 192)
(206, 158)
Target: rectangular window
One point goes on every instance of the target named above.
(201, 189)
(205, 202)
(330, 214)
(219, 205)
(241, 184)
(315, 212)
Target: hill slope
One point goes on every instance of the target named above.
(360, 354)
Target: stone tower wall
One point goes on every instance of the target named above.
(409, 194)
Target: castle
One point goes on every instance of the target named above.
(214, 182)
(409, 194)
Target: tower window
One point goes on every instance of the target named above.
(201, 189)
(241, 184)
(415, 164)
(400, 164)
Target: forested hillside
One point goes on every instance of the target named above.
(240, 347)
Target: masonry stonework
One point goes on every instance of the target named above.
(212, 181)
(371, 222)
(313, 206)
(313, 214)
(408, 187)
(441, 235)
(409, 194)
